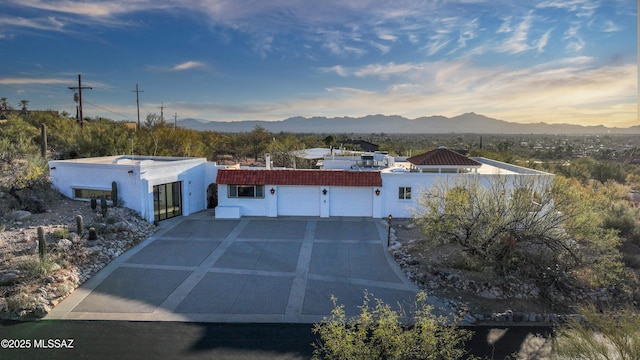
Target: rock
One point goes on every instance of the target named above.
(469, 318)
(488, 294)
(20, 215)
(75, 238)
(8, 278)
(41, 311)
(64, 243)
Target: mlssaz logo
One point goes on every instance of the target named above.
(53, 344)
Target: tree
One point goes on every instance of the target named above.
(21, 165)
(597, 335)
(24, 104)
(378, 332)
(257, 141)
(282, 150)
(499, 224)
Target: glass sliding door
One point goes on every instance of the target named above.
(167, 201)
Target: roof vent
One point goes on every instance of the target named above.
(442, 147)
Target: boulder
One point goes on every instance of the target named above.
(20, 215)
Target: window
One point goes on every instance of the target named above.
(246, 191)
(90, 193)
(404, 193)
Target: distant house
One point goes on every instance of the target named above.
(362, 144)
(364, 185)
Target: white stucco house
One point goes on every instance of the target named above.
(157, 188)
(365, 185)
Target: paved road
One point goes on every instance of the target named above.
(255, 270)
(182, 340)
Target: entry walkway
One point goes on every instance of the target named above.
(258, 270)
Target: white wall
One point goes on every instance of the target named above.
(419, 182)
(136, 180)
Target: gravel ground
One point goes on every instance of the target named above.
(29, 287)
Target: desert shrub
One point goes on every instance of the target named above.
(597, 335)
(34, 269)
(61, 233)
(378, 332)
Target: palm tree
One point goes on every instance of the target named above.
(24, 104)
(4, 104)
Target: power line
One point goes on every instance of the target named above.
(111, 111)
(138, 102)
(162, 111)
(79, 99)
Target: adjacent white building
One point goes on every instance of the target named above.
(157, 188)
(366, 185)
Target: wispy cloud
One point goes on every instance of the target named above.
(47, 23)
(543, 41)
(185, 66)
(32, 81)
(555, 91)
(581, 8)
(517, 42)
(610, 26)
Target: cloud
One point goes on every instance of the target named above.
(562, 90)
(581, 8)
(542, 42)
(517, 43)
(48, 24)
(185, 66)
(610, 26)
(32, 81)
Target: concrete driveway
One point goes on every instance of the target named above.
(257, 270)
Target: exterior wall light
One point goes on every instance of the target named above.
(272, 191)
(377, 192)
(324, 191)
(53, 168)
(130, 171)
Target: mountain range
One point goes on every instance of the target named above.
(469, 123)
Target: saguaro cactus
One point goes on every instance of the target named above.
(94, 204)
(79, 225)
(43, 140)
(42, 244)
(103, 204)
(114, 193)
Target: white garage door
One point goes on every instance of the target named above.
(351, 201)
(298, 201)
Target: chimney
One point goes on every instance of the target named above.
(267, 160)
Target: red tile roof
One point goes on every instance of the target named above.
(299, 177)
(442, 157)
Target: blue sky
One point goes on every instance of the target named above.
(554, 61)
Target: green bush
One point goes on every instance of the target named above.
(61, 233)
(36, 269)
(378, 332)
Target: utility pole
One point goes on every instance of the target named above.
(79, 117)
(175, 121)
(138, 102)
(161, 111)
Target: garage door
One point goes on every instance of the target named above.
(298, 201)
(351, 201)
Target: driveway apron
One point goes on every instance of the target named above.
(258, 270)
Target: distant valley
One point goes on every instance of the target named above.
(465, 123)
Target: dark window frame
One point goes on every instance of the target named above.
(246, 191)
(404, 193)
